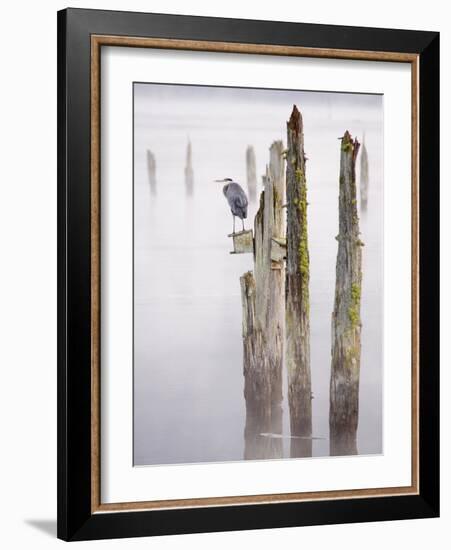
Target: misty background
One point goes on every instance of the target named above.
(188, 369)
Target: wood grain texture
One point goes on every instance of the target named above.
(415, 68)
(95, 276)
(256, 499)
(263, 49)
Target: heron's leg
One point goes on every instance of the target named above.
(242, 221)
(233, 223)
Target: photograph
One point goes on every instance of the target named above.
(258, 291)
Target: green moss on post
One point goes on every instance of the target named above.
(304, 259)
(354, 308)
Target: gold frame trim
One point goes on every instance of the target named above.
(97, 41)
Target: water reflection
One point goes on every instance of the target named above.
(263, 433)
(343, 443)
(301, 447)
(343, 415)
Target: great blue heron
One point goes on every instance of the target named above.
(236, 198)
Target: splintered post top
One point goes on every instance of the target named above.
(295, 122)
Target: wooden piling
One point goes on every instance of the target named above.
(243, 242)
(364, 176)
(151, 170)
(346, 324)
(263, 320)
(189, 173)
(251, 171)
(297, 354)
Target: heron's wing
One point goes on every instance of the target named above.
(240, 196)
(241, 200)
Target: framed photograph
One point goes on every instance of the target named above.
(248, 274)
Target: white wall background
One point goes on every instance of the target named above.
(28, 273)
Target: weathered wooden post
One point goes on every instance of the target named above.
(263, 318)
(297, 355)
(189, 173)
(346, 324)
(364, 176)
(243, 242)
(151, 169)
(251, 173)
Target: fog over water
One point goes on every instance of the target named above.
(188, 369)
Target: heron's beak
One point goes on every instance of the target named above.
(219, 181)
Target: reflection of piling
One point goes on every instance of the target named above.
(346, 324)
(151, 169)
(297, 293)
(189, 174)
(364, 177)
(263, 319)
(251, 173)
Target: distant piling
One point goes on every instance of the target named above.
(251, 172)
(364, 176)
(263, 318)
(151, 170)
(189, 173)
(297, 354)
(346, 323)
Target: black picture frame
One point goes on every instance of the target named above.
(76, 521)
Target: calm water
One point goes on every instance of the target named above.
(188, 381)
